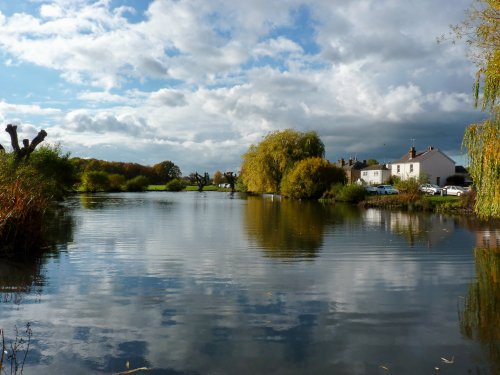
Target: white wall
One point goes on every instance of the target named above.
(406, 170)
(435, 166)
(375, 177)
(438, 166)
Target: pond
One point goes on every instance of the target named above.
(214, 283)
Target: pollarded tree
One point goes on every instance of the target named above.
(310, 178)
(265, 165)
(25, 151)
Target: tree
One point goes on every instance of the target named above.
(166, 171)
(28, 148)
(231, 179)
(482, 30)
(201, 181)
(217, 178)
(310, 178)
(372, 162)
(265, 165)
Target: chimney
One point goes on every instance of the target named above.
(411, 153)
(431, 148)
(350, 161)
(342, 162)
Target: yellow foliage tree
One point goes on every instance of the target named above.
(265, 165)
(482, 141)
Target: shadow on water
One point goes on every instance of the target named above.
(292, 229)
(479, 311)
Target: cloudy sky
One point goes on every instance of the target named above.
(197, 81)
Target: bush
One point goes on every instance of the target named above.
(351, 194)
(138, 183)
(174, 185)
(94, 181)
(55, 168)
(409, 189)
(310, 178)
(116, 182)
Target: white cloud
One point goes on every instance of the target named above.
(197, 76)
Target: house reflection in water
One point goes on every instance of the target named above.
(414, 227)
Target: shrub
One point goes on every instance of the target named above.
(351, 194)
(138, 183)
(409, 189)
(310, 178)
(56, 169)
(174, 185)
(116, 182)
(93, 181)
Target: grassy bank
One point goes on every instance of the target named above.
(442, 204)
(187, 188)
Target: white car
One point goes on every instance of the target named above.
(430, 189)
(386, 189)
(454, 190)
(371, 189)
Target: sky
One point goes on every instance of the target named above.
(198, 81)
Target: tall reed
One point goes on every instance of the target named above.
(24, 199)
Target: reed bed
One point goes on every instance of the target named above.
(23, 203)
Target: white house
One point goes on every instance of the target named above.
(431, 163)
(375, 174)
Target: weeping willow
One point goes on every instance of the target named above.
(482, 141)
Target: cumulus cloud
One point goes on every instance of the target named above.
(197, 79)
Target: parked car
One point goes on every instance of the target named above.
(430, 189)
(386, 189)
(454, 190)
(371, 189)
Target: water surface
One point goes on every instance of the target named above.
(211, 283)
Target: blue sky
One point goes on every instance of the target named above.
(197, 81)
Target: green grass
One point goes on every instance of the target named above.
(155, 188)
(205, 188)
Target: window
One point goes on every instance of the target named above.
(375, 173)
(365, 173)
(411, 168)
(399, 168)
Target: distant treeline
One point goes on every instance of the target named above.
(101, 175)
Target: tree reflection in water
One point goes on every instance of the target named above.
(292, 229)
(480, 312)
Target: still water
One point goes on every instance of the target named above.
(210, 283)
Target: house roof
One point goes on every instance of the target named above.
(376, 167)
(356, 165)
(460, 169)
(421, 156)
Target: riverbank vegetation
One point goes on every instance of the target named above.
(30, 179)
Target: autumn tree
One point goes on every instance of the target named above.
(217, 177)
(166, 171)
(310, 178)
(265, 164)
(482, 141)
